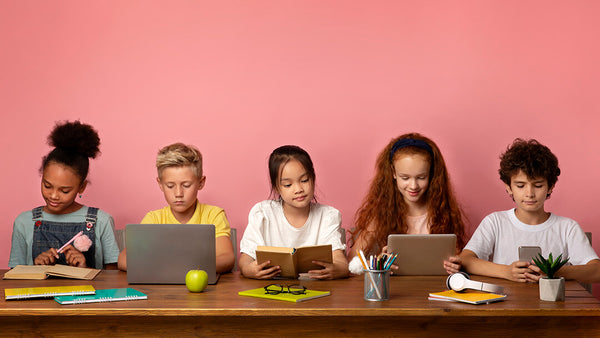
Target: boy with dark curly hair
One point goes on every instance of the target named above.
(530, 171)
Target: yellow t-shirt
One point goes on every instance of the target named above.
(204, 214)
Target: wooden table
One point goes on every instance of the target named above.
(173, 311)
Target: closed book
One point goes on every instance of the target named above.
(468, 296)
(43, 271)
(48, 291)
(288, 297)
(103, 295)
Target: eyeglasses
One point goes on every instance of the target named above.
(294, 289)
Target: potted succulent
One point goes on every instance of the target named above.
(552, 288)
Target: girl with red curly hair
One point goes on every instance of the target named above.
(410, 194)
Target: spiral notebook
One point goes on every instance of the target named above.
(104, 295)
(47, 292)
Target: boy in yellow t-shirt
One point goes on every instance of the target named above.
(180, 178)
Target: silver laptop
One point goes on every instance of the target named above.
(164, 253)
(421, 255)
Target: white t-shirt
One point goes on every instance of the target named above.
(500, 235)
(268, 226)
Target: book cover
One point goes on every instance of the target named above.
(43, 271)
(288, 297)
(294, 261)
(103, 295)
(49, 291)
(469, 296)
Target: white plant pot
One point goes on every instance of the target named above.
(552, 290)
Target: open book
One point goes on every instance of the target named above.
(468, 296)
(43, 271)
(294, 261)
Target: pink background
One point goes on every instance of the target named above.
(339, 78)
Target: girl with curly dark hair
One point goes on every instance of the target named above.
(40, 235)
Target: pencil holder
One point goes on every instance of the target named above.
(377, 285)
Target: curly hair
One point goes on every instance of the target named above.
(179, 155)
(74, 144)
(534, 159)
(385, 208)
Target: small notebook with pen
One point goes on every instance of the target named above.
(47, 292)
(103, 295)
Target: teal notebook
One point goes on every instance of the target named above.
(260, 293)
(105, 295)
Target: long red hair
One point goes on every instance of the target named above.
(385, 209)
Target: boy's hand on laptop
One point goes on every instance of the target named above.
(517, 270)
(452, 265)
(74, 257)
(46, 258)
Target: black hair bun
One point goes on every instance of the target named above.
(75, 137)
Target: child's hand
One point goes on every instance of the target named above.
(259, 271)
(327, 273)
(452, 265)
(517, 270)
(535, 275)
(384, 252)
(46, 258)
(74, 257)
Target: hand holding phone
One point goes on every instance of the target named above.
(527, 253)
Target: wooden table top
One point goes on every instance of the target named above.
(408, 298)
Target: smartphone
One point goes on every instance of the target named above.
(526, 253)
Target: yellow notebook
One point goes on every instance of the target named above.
(469, 296)
(49, 291)
(288, 297)
(43, 271)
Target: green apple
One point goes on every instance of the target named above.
(196, 280)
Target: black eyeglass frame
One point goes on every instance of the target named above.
(294, 289)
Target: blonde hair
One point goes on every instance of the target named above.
(179, 155)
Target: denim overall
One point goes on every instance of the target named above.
(48, 235)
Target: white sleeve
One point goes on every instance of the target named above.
(580, 250)
(331, 229)
(483, 240)
(253, 235)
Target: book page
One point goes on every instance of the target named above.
(275, 249)
(305, 255)
(27, 272)
(283, 259)
(72, 272)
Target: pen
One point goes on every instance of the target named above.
(389, 264)
(69, 242)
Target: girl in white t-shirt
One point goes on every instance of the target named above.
(294, 219)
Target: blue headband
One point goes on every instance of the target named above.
(409, 142)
